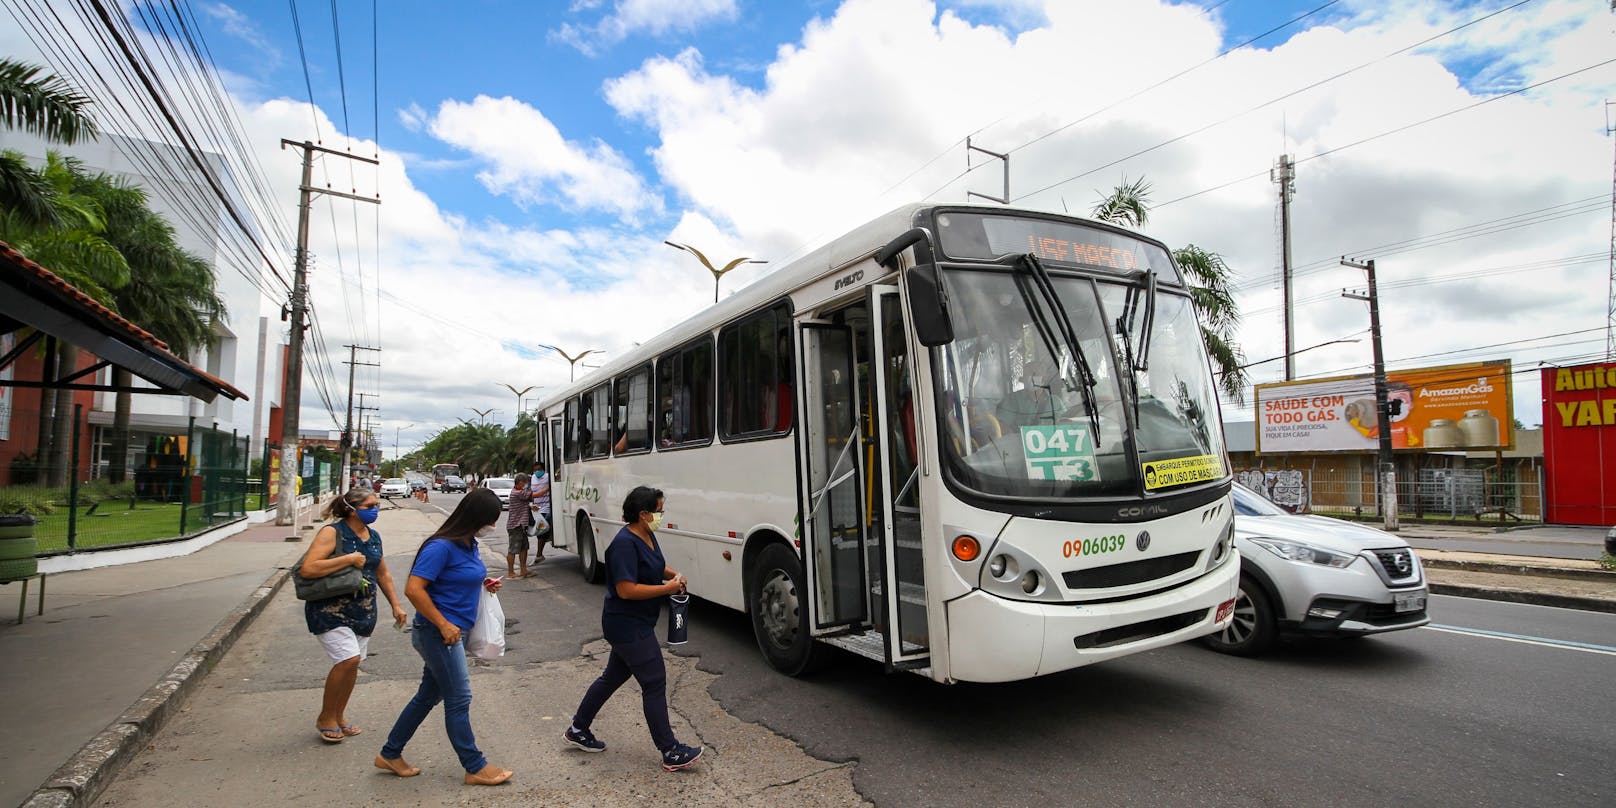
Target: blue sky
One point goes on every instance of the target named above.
(760, 129)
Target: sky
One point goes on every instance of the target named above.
(535, 156)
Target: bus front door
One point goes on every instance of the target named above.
(834, 529)
(900, 597)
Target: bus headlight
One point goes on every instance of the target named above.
(1000, 565)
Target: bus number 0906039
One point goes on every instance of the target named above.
(1103, 544)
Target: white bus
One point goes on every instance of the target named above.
(981, 444)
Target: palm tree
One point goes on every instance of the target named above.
(170, 293)
(1208, 277)
(36, 101)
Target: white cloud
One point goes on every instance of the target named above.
(238, 25)
(413, 117)
(654, 17)
(530, 161)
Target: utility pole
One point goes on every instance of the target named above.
(364, 429)
(1383, 411)
(1285, 176)
(347, 424)
(292, 395)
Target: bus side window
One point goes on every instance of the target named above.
(571, 431)
(685, 396)
(633, 411)
(755, 360)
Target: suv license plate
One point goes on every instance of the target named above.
(1409, 601)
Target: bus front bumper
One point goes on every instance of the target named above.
(992, 639)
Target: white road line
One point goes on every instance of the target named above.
(1567, 645)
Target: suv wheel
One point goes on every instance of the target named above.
(1254, 626)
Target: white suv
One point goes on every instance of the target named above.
(394, 487)
(1315, 576)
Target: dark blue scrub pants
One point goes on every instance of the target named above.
(642, 659)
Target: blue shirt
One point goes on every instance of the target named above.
(454, 574)
(630, 559)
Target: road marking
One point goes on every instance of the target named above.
(1568, 645)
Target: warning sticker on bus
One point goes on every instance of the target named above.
(1063, 452)
(1181, 470)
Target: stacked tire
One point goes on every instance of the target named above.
(17, 547)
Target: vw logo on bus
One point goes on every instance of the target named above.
(1142, 541)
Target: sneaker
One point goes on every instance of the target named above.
(679, 757)
(584, 739)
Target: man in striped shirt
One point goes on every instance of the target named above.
(520, 516)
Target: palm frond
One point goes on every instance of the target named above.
(34, 100)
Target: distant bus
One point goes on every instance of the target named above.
(442, 470)
(980, 444)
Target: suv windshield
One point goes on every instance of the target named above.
(1250, 503)
(1013, 418)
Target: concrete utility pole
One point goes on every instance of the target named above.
(292, 396)
(347, 424)
(1383, 409)
(1285, 175)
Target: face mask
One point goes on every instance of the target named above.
(656, 521)
(368, 515)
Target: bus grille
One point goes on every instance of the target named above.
(1122, 635)
(1129, 573)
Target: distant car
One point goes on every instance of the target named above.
(502, 487)
(417, 484)
(451, 483)
(394, 487)
(1316, 577)
(1610, 541)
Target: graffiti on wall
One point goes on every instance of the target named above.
(1286, 488)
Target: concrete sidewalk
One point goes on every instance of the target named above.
(81, 680)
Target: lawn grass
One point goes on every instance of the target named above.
(116, 523)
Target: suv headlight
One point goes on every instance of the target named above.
(1303, 552)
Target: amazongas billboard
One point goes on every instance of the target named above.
(1447, 408)
(1579, 444)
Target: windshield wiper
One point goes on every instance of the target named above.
(1063, 326)
(1139, 360)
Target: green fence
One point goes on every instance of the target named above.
(92, 488)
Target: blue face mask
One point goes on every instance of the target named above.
(368, 515)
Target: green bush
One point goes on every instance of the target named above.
(1608, 561)
(37, 500)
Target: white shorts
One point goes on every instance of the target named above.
(342, 643)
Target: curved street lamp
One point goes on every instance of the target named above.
(717, 273)
(572, 361)
(483, 414)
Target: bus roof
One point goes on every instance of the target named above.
(865, 239)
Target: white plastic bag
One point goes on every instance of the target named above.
(486, 640)
(539, 523)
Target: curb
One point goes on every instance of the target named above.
(1526, 597)
(1569, 573)
(79, 781)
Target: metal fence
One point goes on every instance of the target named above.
(95, 487)
(1461, 495)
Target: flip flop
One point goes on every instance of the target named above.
(349, 730)
(330, 734)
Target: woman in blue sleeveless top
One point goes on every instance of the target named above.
(343, 624)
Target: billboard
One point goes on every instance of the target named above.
(1579, 444)
(1445, 408)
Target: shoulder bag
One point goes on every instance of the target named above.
(346, 581)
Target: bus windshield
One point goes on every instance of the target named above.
(1015, 421)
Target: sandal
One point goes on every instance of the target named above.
(350, 730)
(331, 734)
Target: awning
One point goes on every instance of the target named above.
(34, 297)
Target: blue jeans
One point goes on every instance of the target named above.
(642, 659)
(444, 678)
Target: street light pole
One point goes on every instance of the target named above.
(717, 273)
(572, 361)
(397, 472)
(1383, 411)
(482, 414)
(519, 393)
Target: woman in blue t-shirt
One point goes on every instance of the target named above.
(638, 581)
(443, 588)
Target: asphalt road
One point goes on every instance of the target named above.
(1497, 704)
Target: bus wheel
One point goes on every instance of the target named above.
(586, 552)
(1253, 627)
(780, 613)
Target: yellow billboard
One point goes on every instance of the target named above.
(1447, 408)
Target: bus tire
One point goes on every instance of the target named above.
(589, 564)
(780, 616)
(1254, 626)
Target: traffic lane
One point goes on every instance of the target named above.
(1512, 546)
(1407, 718)
(1547, 623)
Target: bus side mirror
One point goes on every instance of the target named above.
(928, 298)
(928, 305)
